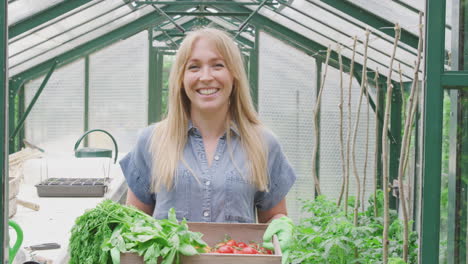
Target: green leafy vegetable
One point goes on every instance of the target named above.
(102, 233)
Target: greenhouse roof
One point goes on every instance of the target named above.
(41, 34)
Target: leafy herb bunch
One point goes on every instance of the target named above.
(102, 233)
(328, 236)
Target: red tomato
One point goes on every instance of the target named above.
(231, 243)
(266, 251)
(249, 250)
(242, 245)
(253, 245)
(220, 244)
(225, 250)
(236, 251)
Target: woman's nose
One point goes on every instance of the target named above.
(206, 74)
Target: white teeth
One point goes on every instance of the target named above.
(207, 91)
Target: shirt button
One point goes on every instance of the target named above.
(206, 213)
(216, 157)
(207, 183)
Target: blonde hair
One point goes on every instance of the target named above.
(170, 135)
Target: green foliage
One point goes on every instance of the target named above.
(330, 237)
(101, 234)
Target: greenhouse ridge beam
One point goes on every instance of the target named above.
(182, 13)
(44, 16)
(123, 32)
(373, 20)
(192, 3)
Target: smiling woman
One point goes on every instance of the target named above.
(211, 158)
(207, 80)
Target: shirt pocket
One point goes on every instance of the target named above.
(239, 198)
(177, 197)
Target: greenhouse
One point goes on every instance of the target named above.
(367, 101)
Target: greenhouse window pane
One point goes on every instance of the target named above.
(118, 92)
(396, 13)
(287, 91)
(341, 28)
(331, 174)
(325, 41)
(58, 32)
(95, 32)
(56, 121)
(23, 9)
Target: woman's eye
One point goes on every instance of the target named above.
(191, 67)
(219, 65)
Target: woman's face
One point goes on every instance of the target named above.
(207, 80)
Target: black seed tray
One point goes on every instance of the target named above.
(72, 187)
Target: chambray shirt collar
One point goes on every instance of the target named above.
(233, 127)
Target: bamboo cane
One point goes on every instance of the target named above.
(340, 106)
(316, 110)
(385, 147)
(348, 137)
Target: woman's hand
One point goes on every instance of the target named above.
(283, 228)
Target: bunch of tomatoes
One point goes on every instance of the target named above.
(232, 246)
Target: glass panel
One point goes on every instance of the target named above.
(41, 36)
(57, 119)
(454, 192)
(330, 149)
(22, 9)
(287, 90)
(98, 29)
(375, 60)
(168, 61)
(118, 93)
(341, 28)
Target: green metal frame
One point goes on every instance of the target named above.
(4, 130)
(44, 16)
(454, 79)
(192, 3)
(432, 131)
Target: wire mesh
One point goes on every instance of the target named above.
(287, 90)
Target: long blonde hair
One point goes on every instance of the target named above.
(170, 135)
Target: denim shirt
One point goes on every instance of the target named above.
(222, 194)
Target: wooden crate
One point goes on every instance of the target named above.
(214, 233)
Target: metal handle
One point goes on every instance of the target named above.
(77, 144)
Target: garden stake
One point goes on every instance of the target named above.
(316, 109)
(388, 102)
(340, 106)
(348, 140)
(404, 152)
(376, 147)
(356, 173)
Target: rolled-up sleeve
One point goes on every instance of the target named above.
(281, 177)
(136, 167)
